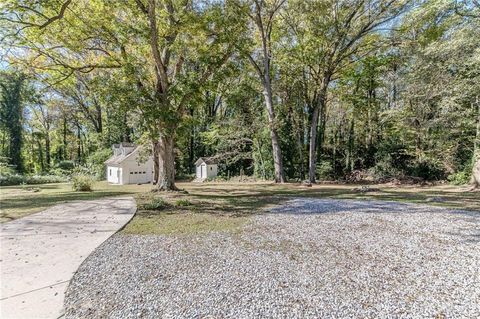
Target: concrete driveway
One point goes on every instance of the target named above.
(40, 253)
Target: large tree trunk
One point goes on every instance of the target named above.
(166, 163)
(276, 151)
(312, 160)
(476, 152)
(313, 145)
(155, 151)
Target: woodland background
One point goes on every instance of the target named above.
(386, 89)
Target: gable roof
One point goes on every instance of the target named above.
(124, 144)
(206, 160)
(118, 159)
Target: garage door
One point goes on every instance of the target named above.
(137, 177)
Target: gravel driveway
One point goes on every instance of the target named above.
(310, 258)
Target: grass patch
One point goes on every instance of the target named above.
(182, 223)
(153, 204)
(19, 201)
(225, 201)
(177, 213)
(183, 202)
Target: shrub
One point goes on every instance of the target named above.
(427, 169)
(6, 169)
(66, 165)
(459, 178)
(183, 202)
(17, 179)
(82, 183)
(384, 168)
(154, 204)
(11, 179)
(325, 170)
(95, 163)
(44, 179)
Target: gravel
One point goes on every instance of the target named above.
(309, 258)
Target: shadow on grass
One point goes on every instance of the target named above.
(26, 202)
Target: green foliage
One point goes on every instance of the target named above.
(155, 203)
(66, 165)
(183, 202)
(95, 163)
(11, 114)
(82, 183)
(460, 178)
(325, 170)
(17, 179)
(400, 102)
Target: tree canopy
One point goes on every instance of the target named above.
(277, 89)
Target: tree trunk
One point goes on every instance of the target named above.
(191, 151)
(155, 151)
(301, 169)
(313, 145)
(350, 145)
(276, 151)
(40, 154)
(64, 155)
(476, 151)
(47, 150)
(312, 160)
(79, 146)
(166, 163)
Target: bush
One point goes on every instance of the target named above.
(17, 179)
(154, 204)
(6, 169)
(66, 165)
(183, 202)
(325, 171)
(95, 163)
(427, 169)
(459, 178)
(82, 183)
(384, 168)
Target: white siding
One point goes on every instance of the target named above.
(206, 171)
(114, 174)
(137, 173)
(198, 172)
(212, 170)
(130, 171)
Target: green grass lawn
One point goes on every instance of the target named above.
(227, 206)
(216, 206)
(19, 201)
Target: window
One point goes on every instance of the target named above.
(211, 168)
(144, 172)
(110, 172)
(131, 173)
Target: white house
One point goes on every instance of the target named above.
(126, 166)
(206, 168)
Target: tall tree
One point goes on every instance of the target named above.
(166, 49)
(262, 14)
(11, 111)
(328, 42)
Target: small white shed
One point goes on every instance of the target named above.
(126, 166)
(206, 168)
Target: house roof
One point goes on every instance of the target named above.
(118, 159)
(124, 144)
(206, 160)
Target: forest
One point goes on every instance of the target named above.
(283, 90)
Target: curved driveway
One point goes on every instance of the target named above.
(41, 252)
